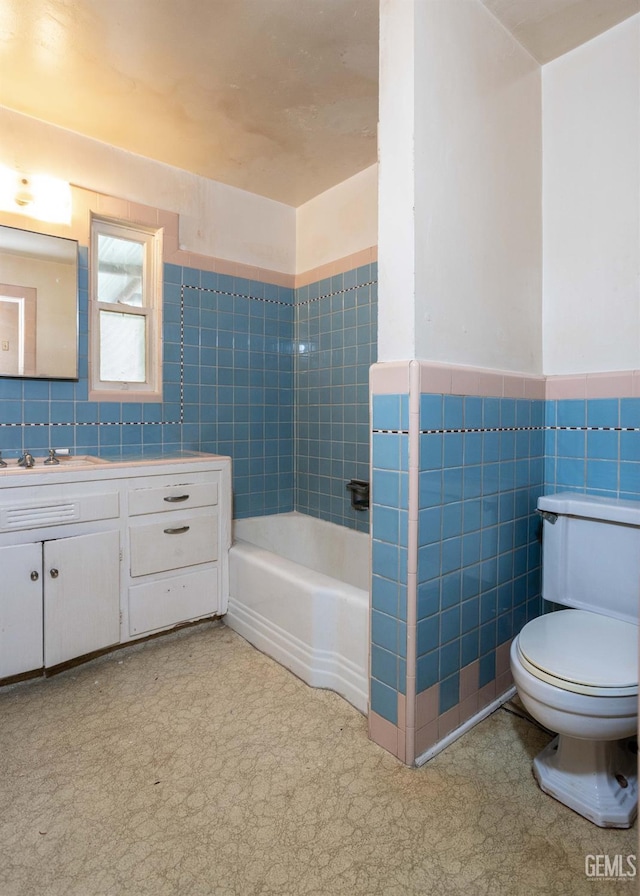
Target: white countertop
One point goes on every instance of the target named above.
(92, 467)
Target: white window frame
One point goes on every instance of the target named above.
(151, 310)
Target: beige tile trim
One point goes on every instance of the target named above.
(468, 708)
(339, 266)
(384, 733)
(427, 707)
(487, 694)
(448, 721)
(231, 268)
(412, 561)
(389, 378)
(503, 658)
(469, 679)
(616, 384)
(426, 737)
(452, 379)
(403, 738)
(392, 377)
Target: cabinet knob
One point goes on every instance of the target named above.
(54, 573)
(34, 576)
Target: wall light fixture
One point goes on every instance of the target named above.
(37, 196)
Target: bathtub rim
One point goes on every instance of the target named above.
(293, 516)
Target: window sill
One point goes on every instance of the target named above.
(124, 395)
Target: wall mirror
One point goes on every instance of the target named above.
(38, 305)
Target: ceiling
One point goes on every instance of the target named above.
(550, 28)
(278, 97)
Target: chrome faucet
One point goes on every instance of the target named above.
(53, 458)
(26, 461)
(3, 463)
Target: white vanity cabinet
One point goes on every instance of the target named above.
(59, 571)
(60, 600)
(177, 550)
(90, 558)
(21, 645)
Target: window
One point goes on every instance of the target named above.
(126, 312)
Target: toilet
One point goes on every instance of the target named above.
(576, 670)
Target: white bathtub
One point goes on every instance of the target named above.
(299, 591)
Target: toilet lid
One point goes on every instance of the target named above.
(583, 648)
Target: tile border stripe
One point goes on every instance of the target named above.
(237, 295)
(336, 292)
(425, 432)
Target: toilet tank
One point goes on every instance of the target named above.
(591, 553)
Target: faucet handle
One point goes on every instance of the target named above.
(52, 459)
(3, 463)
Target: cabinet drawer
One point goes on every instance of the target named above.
(179, 496)
(173, 542)
(171, 601)
(57, 508)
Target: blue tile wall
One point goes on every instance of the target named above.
(593, 446)
(245, 333)
(483, 464)
(481, 473)
(390, 481)
(275, 378)
(227, 388)
(336, 340)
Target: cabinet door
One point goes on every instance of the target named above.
(81, 595)
(20, 609)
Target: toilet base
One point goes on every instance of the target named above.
(597, 779)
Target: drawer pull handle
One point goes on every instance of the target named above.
(34, 576)
(54, 573)
(175, 499)
(179, 531)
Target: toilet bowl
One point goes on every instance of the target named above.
(590, 765)
(576, 670)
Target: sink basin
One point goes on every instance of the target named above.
(67, 462)
(76, 460)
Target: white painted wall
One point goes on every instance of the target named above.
(338, 222)
(216, 220)
(591, 201)
(460, 228)
(478, 165)
(396, 186)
